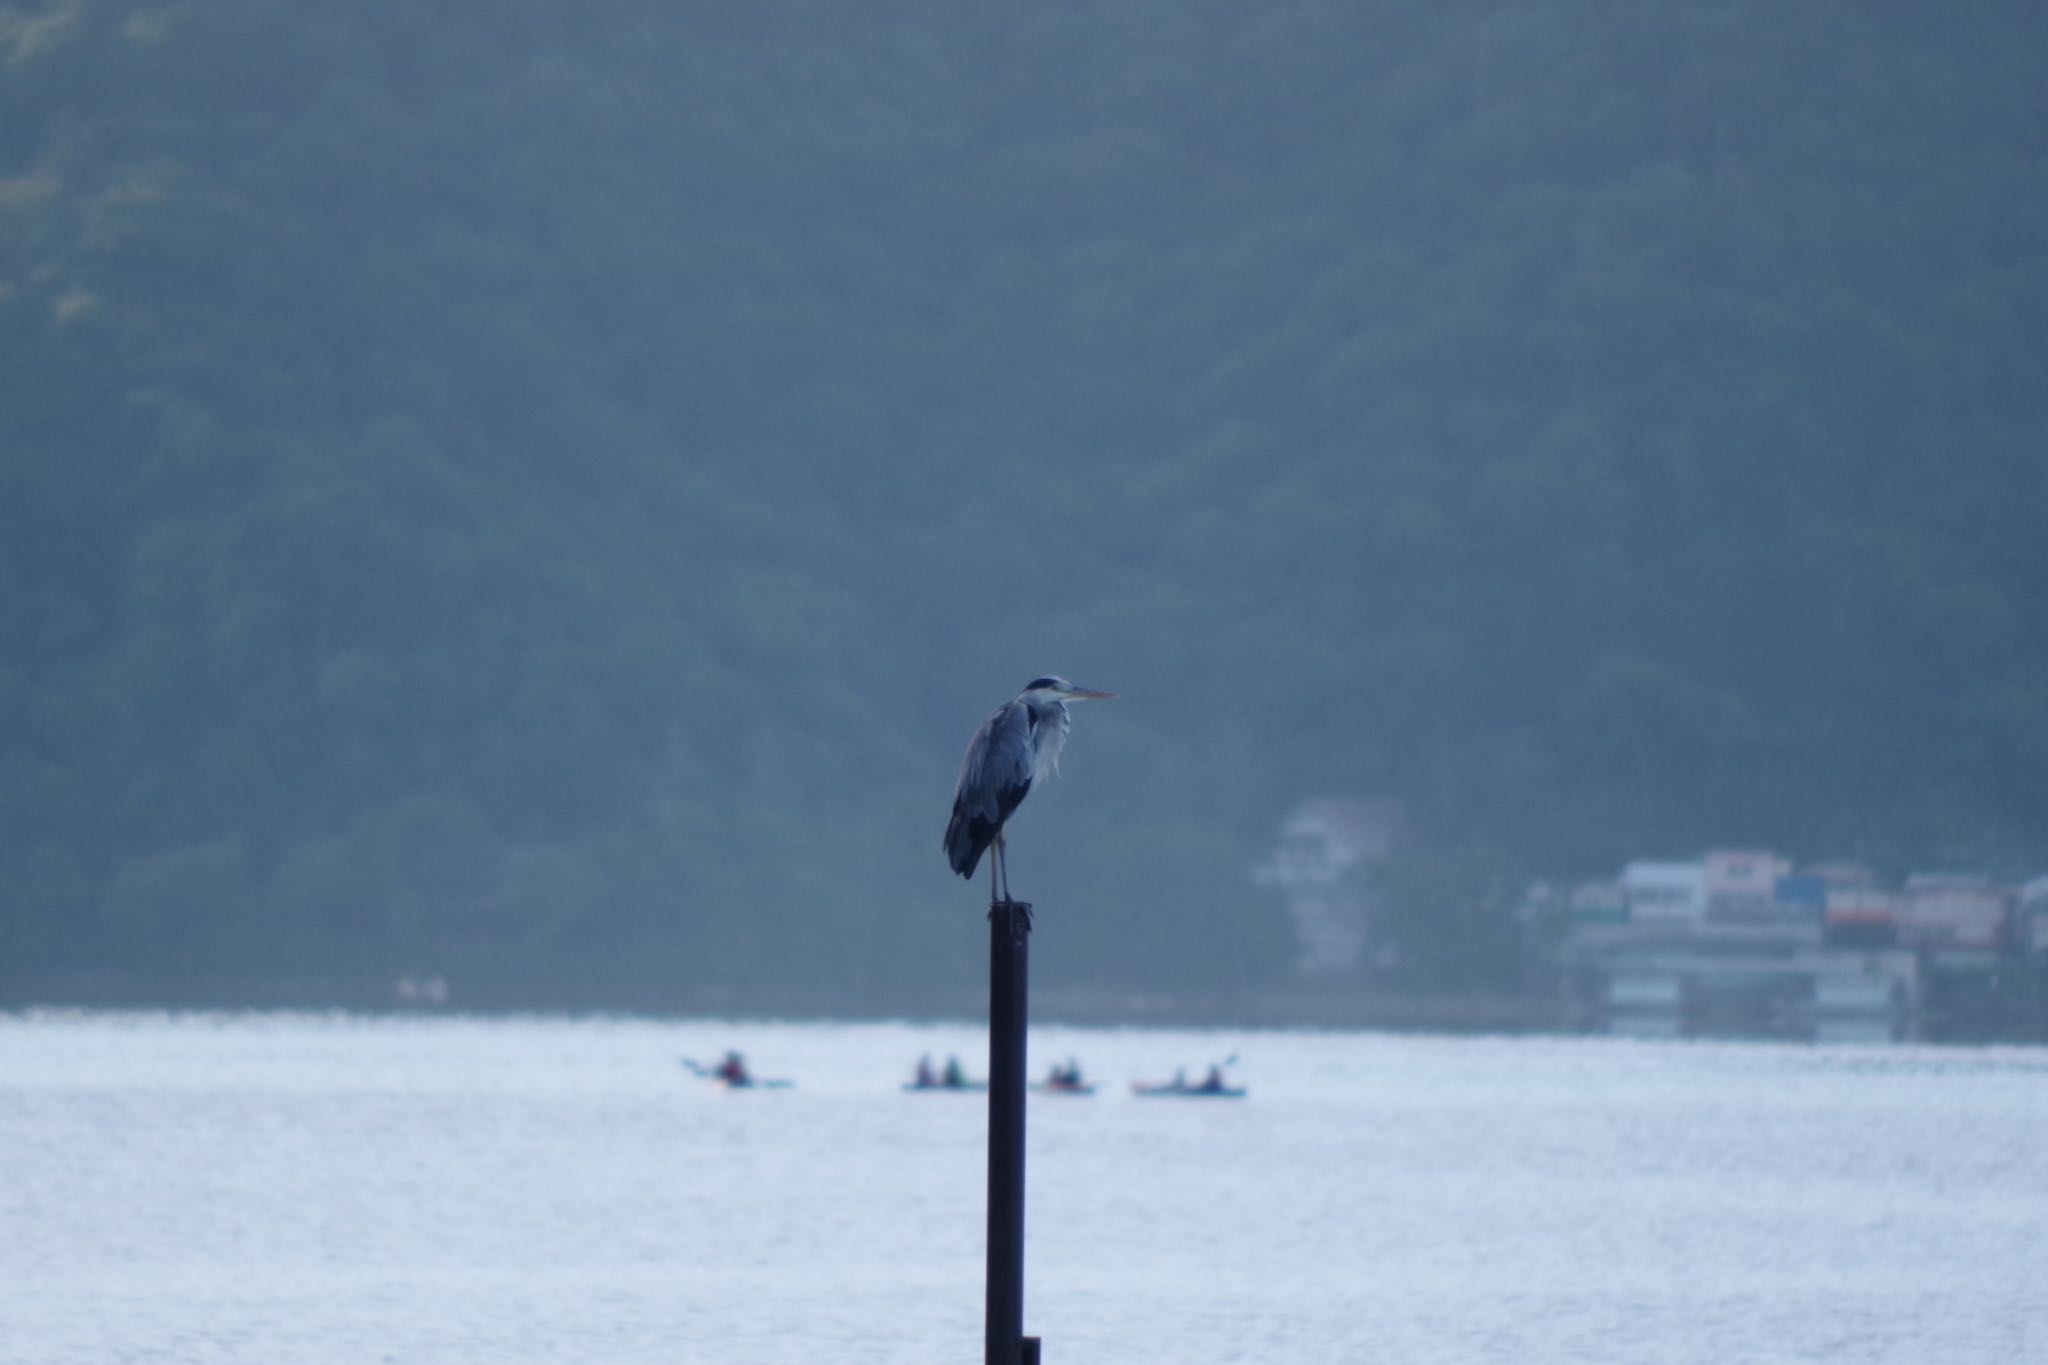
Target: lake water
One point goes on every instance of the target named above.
(311, 1190)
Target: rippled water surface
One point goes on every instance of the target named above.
(300, 1190)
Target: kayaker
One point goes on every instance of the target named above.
(924, 1072)
(733, 1070)
(955, 1077)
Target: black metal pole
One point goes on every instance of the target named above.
(1009, 1010)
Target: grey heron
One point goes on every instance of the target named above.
(1014, 747)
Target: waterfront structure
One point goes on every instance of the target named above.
(1742, 886)
(1945, 910)
(1664, 893)
(1322, 864)
(1740, 942)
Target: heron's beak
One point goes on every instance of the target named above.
(1088, 694)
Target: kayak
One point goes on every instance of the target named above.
(1182, 1090)
(703, 1072)
(966, 1087)
(1063, 1088)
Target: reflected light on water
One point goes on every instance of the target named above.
(263, 1188)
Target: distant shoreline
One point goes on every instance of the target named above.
(1358, 1008)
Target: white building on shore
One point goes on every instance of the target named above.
(1322, 863)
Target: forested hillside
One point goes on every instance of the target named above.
(542, 492)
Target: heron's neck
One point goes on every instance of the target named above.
(1049, 725)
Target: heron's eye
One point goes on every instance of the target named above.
(1037, 683)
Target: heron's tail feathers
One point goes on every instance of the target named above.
(967, 838)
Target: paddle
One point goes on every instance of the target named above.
(711, 1073)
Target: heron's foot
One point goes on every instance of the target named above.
(1006, 906)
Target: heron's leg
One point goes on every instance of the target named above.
(1003, 863)
(995, 857)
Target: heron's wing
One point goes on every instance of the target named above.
(997, 769)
